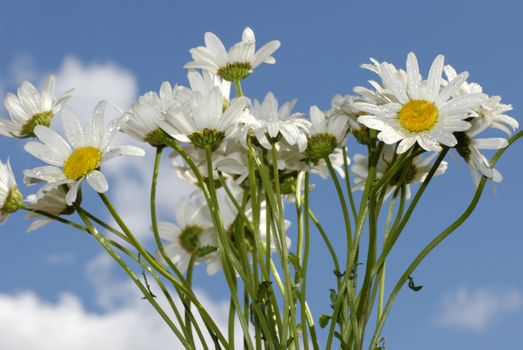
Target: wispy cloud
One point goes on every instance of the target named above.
(476, 309)
(59, 259)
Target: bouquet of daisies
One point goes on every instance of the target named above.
(249, 163)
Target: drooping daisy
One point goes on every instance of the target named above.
(491, 110)
(267, 122)
(143, 116)
(71, 165)
(235, 64)
(10, 196)
(489, 114)
(30, 108)
(420, 111)
(203, 121)
(345, 107)
(414, 172)
(190, 234)
(53, 202)
(469, 148)
(326, 134)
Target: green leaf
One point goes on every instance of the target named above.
(338, 274)
(413, 286)
(333, 296)
(324, 320)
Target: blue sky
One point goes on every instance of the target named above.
(473, 286)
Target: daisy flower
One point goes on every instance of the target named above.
(203, 83)
(345, 107)
(326, 134)
(267, 122)
(190, 234)
(489, 114)
(235, 64)
(419, 111)
(204, 121)
(10, 196)
(53, 202)
(469, 148)
(143, 116)
(412, 173)
(30, 108)
(80, 158)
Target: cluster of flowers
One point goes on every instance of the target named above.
(407, 113)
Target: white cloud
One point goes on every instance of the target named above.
(28, 323)
(127, 322)
(94, 82)
(59, 258)
(476, 309)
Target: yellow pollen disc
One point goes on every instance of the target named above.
(418, 115)
(81, 162)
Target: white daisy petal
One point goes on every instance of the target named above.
(97, 181)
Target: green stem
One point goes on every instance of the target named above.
(102, 241)
(436, 241)
(238, 87)
(288, 304)
(395, 233)
(158, 267)
(343, 202)
(57, 218)
(388, 222)
(347, 182)
(323, 234)
(230, 266)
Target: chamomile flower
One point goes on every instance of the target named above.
(203, 83)
(489, 114)
(235, 64)
(469, 148)
(53, 202)
(204, 121)
(30, 108)
(419, 111)
(190, 235)
(79, 159)
(491, 110)
(326, 134)
(267, 122)
(345, 107)
(10, 196)
(414, 172)
(143, 116)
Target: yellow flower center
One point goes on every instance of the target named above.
(418, 115)
(81, 162)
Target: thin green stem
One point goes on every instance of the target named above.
(388, 222)
(158, 267)
(102, 241)
(395, 233)
(323, 234)
(288, 304)
(56, 218)
(436, 241)
(230, 266)
(347, 182)
(238, 87)
(343, 202)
